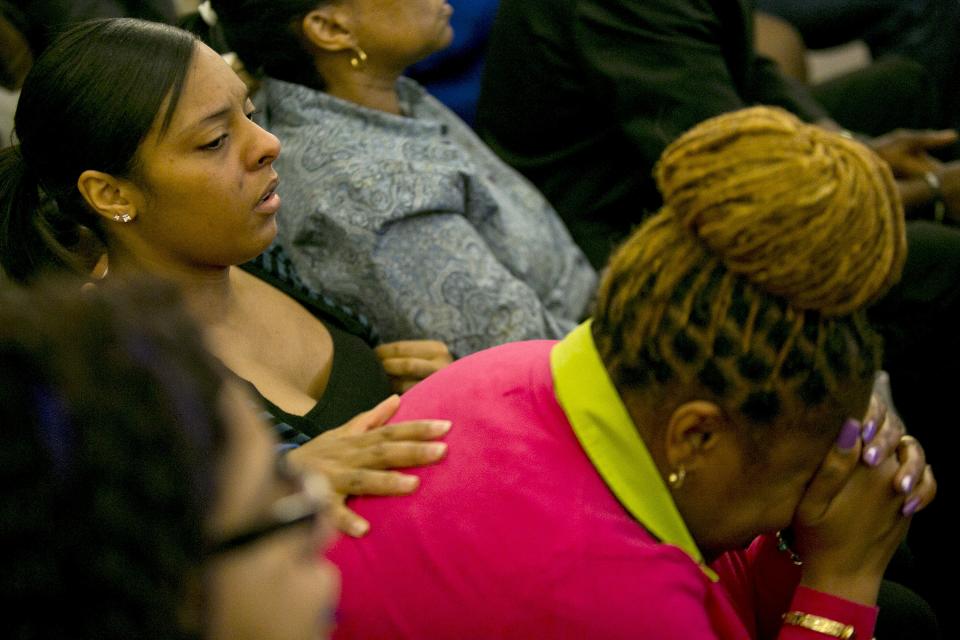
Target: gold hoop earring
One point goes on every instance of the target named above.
(359, 59)
(675, 478)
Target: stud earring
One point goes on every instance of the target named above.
(675, 478)
(359, 59)
(123, 217)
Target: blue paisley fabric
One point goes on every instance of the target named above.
(412, 221)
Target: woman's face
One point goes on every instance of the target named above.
(274, 586)
(204, 192)
(401, 32)
(735, 498)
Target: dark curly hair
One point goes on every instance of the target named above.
(110, 434)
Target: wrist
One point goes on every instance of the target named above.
(860, 588)
(863, 618)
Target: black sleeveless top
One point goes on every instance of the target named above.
(357, 379)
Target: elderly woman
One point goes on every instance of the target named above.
(393, 205)
(627, 481)
(170, 177)
(142, 496)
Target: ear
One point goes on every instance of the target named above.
(329, 28)
(693, 433)
(109, 197)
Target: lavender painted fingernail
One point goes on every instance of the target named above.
(869, 430)
(872, 456)
(906, 484)
(848, 435)
(911, 506)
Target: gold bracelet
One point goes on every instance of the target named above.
(826, 626)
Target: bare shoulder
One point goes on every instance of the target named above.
(276, 343)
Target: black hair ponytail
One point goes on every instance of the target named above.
(33, 237)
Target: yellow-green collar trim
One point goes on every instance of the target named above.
(608, 435)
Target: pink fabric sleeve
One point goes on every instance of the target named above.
(862, 617)
(659, 594)
(762, 580)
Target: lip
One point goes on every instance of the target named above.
(269, 201)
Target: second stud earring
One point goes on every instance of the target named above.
(359, 59)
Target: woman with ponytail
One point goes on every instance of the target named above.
(692, 462)
(136, 142)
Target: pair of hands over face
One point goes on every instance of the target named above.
(858, 507)
(359, 457)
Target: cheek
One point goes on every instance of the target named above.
(191, 186)
(272, 594)
(763, 500)
(781, 502)
(781, 514)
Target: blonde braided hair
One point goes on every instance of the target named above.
(752, 277)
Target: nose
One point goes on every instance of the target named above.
(267, 147)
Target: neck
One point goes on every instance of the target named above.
(369, 87)
(649, 421)
(209, 293)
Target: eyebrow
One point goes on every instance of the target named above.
(219, 114)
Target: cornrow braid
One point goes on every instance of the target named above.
(750, 283)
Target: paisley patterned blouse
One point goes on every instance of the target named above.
(414, 222)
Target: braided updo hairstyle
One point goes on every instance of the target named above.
(749, 285)
(110, 435)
